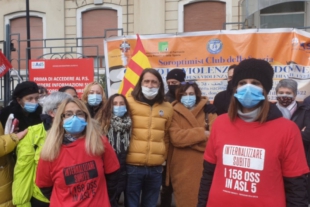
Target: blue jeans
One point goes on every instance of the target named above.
(145, 179)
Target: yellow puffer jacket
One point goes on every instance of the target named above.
(7, 145)
(150, 133)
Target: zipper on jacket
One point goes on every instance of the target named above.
(149, 137)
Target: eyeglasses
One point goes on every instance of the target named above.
(187, 82)
(69, 114)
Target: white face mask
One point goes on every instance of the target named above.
(149, 93)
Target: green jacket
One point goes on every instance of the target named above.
(28, 153)
(7, 145)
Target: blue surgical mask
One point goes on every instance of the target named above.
(119, 110)
(30, 107)
(94, 99)
(249, 95)
(74, 125)
(188, 101)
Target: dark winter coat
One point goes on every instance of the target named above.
(222, 101)
(302, 118)
(94, 109)
(121, 185)
(25, 119)
(169, 97)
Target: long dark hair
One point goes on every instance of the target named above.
(105, 115)
(137, 91)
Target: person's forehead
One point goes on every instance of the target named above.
(172, 80)
(149, 76)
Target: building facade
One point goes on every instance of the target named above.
(79, 26)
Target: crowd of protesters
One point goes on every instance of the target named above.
(242, 150)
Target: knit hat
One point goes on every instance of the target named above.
(24, 89)
(177, 74)
(253, 68)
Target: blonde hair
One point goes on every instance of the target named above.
(87, 89)
(54, 139)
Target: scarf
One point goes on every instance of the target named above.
(121, 127)
(250, 116)
(68, 139)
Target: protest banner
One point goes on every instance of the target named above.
(206, 56)
(56, 73)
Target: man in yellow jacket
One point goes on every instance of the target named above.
(7, 144)
(149, 141)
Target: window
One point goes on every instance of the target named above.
(291, 14)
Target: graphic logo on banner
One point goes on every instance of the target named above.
(163, 46)
(295, 42)
(5, 65)
(38, 65)
(215, 46)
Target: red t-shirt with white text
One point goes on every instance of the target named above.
(78, 179)
(251, 160)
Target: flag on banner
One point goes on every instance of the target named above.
(5, 65)
(136, 65)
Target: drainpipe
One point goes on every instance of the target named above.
(239, 12)
(127, 16)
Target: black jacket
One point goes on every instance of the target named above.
(302, 118)
(93, 109)
(169, 97)
(25, 119)
(222, 100)
(295, 188)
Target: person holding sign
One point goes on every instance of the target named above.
(24, 106)
(254, 156)
(77, 163)
(8, 142)
(188, 138)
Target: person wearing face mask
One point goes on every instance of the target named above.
(25, 191)
(149, 140)
(222, 99)
(299, 113)
(94, 98)
(254, 156)
(188, 138)
(77, 163)
(173, 79)
(24, 106)
(116, 124)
